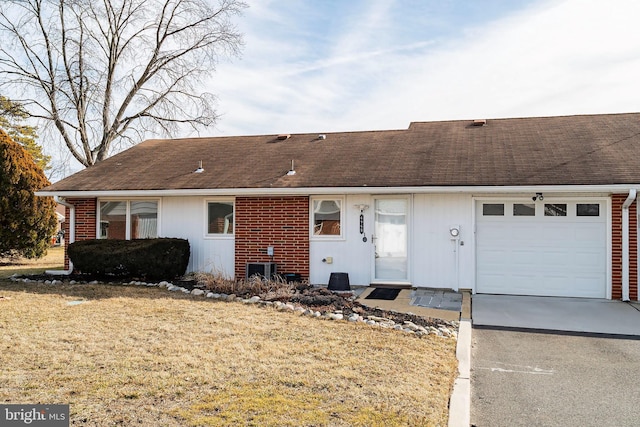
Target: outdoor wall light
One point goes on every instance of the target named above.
(538, 196)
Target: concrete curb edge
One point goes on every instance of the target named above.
(460, 403)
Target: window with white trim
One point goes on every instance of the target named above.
(326, 217)
(555, 209)
(220, 215)
(588, 209)
(128, 219)
(524, 209)
(493, 209)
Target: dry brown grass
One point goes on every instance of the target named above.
(53, 260)
(266, 289)
(144, 356)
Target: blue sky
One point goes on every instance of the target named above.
(337, 65)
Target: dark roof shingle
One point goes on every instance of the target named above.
(567, 150)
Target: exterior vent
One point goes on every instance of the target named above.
(284, 136)
(322, 136)
(266, 270)
(479, 122)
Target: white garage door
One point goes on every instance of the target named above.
(547, 248)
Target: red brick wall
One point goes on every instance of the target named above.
(617, 200)
(281, 222)
(85, 223)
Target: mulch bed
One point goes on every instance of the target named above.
(315, 298)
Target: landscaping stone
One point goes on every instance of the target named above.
(336, 316)
(411, 326)
(377, 319)
(304, 300)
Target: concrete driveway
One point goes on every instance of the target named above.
(554, 362)
(587, 315)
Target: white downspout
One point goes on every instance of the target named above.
(625, 243)
(72, 234)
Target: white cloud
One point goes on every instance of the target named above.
(568, 57)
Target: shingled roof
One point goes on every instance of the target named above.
(567, 150)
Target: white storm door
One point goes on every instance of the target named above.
(391, 240)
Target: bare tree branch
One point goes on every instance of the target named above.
(107, 72)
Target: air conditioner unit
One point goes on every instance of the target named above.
(264, 269)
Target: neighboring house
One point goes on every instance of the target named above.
(58, 238)
(528, 206)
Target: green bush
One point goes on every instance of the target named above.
(151, 259)
(27, 221)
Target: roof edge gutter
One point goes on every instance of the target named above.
(72, 235)
(625, 243)
(611, 188)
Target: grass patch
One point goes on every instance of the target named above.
(136, 355)
(53, 260)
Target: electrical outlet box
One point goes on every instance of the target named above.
(270, 250)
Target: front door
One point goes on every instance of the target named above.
(391, 240)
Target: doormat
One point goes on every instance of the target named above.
(383, 293)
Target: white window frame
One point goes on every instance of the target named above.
(325, 237)
(208, 235)
(127, 201)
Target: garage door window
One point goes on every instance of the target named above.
(524, 209)
(588, 209)
(493, 209)
(555, 209)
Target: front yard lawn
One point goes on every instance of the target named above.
(125, 355)
(53, 260)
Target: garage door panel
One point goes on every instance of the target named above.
(590, 260)
(520, 258)
(591, 234)
(554, 256)
(591, 285)
(554, 233)
(491, 257)
(550, 258)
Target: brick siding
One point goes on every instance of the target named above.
(281, 222)
(617, 200)
(85, 223)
